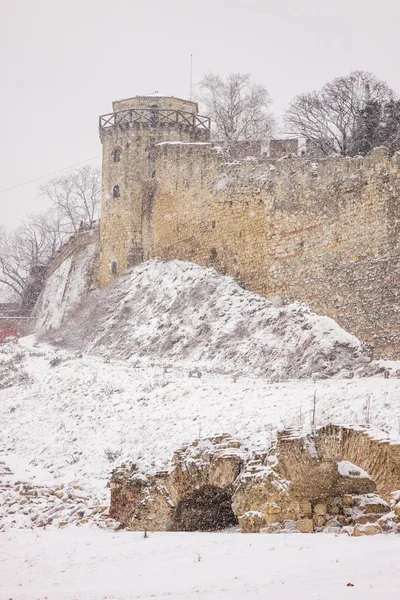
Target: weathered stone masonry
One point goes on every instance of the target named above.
(326, 233)
(326, 481)
(129, 136)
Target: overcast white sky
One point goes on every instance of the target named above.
(64, 61)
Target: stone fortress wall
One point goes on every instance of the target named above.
(326, 233)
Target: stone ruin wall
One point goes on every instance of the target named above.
(326, 233)
(337, 480)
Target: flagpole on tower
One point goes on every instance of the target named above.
(191, 76)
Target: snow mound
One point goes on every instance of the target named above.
(182, 313)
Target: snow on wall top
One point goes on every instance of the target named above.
(65, 288)
(347, 469)
(179, 312)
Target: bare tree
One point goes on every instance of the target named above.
(74, 201)
(328, 118)
(13, 270)
(75, 197)
(25, 251)
(239, 109)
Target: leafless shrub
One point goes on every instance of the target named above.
(37, 353)
(19, 357)
(73, 458)
(110, 389)
(112, 454)
(54, 362)
(158, 380)
(11, 373)
(195, 373)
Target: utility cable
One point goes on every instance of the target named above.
(12, 187)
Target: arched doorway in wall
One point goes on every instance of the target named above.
(206, 508)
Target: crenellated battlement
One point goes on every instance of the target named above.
(267, 169)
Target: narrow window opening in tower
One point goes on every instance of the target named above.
(154, 114)
(114, 267)
(117, 155)
(116, 192)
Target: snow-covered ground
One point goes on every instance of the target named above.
(75, 418)
(168, 354)
(87, 564)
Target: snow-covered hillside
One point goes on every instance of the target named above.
(182, 313)
(168, 354)
(65, 288)
(70, 420)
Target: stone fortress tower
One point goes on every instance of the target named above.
(128, 136)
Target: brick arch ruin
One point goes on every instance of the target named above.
(379, 457)
(195, 495)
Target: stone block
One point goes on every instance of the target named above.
(271, 508)
(274, 518)
(291, 510)
(376, 508)
(333, 508)
(369, 529)
(362, 519)
(320, 509)
(319, 520)
(333, 523)
(305, 525)
(273, 528)
(251, 522)
(348, 500)
(305, 508)
(332, 529)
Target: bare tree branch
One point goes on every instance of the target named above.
(74, 205)
(239, 109)
(328, 118)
